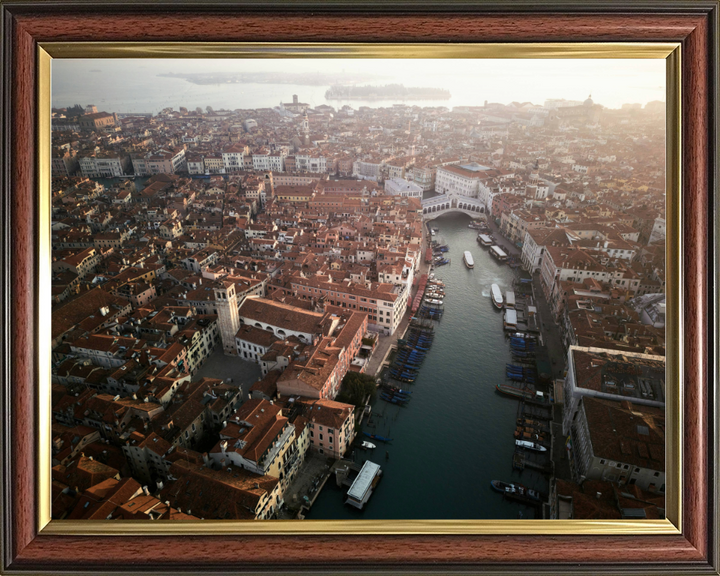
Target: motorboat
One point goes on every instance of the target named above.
(530, 445)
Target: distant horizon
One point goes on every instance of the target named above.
(138, 83)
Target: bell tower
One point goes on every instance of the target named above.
(228, 316)
(306, 130)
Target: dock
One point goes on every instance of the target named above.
(362, 487)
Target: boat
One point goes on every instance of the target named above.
(396, 390)
(510, 320)
(527, 394)
(525, 335)
(530, 445)
(468, 259)
(367, 445)
(517, 492)
(497, 253)
(484, 240)
(376, 437)
(509, 299)
(497, 298)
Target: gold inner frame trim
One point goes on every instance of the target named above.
(355, 50)
(617, 50)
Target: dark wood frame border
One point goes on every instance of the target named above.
(693, 23)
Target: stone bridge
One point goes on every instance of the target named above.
(445, 204)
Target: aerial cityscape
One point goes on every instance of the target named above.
(398, 300)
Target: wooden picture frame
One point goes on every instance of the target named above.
(30, 547)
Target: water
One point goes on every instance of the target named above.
(456, 434)
(125, 85)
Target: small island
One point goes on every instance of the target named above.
(387, 92)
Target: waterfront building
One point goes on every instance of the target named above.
(233, 158)
(614, 417)
(331, 426)
(105, 164)
(462, 179)
(534, 243)
(384, 303)
(64, 163)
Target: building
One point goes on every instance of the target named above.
(401, 187)
(105, 165)
(331, 426)
(281, 320)
(614, 417)
(461, 180)
(98, 120)
(258, 438)
(228, 318)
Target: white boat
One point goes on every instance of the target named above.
(496, 296)
(467, 257)
(484, 240)
(368, 445)
(510, 320)
(530, 445)
(433, 301)
(498, 253)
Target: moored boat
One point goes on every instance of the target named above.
(498, 254)
(530, 445)
(484, 240)
(524, 393)
(517, 492)
(509, 299)
(496, 296)
(368, 445)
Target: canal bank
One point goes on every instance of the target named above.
(456, 433)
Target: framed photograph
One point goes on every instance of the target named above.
(229, 233)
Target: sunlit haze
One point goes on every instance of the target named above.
(134, 85)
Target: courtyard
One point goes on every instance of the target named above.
(242, 373)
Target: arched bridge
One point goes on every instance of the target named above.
(444, 204)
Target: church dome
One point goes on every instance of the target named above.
(589, 101)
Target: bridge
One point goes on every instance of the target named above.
(447, 203)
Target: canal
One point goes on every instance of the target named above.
(456, 434)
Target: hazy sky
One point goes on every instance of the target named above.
(611, 82)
